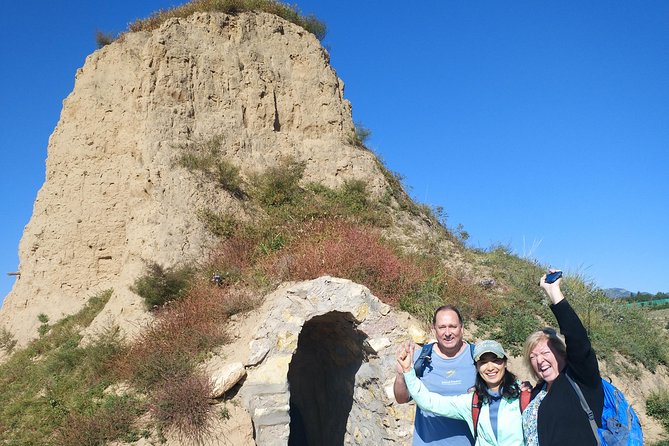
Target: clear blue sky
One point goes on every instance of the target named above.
(540, 125)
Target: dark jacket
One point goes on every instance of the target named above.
(561, 420)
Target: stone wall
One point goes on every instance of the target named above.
(321, 366)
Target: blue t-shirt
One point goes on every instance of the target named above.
(448, 377)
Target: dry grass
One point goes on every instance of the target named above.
(181, 406)
(288, 12)
(342, 249)
(171, 345)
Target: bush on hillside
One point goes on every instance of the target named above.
(360, 136)
(103, 39)
(7, 340)
(350, 201)
(161, 285)
(279, 186)
(110, 419)
(172, 344)
(657, 406)
(346, 250)
(162, 361)
(207, 158)
(181, 404)
(221, 225)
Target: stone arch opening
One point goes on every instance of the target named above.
(321, 377)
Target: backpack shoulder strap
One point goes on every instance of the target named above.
(586, 408)
(471, 350)
(424, 359)
(476, 410)
(524, 399)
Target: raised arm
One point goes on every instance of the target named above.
(581, 357)
(404, 355)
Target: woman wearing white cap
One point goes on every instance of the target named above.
(497, 392)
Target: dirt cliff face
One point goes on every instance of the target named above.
(113, 196)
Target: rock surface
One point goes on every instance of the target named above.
(114, 199)
(320, 376)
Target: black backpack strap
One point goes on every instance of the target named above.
(586, 407)
(424, 360)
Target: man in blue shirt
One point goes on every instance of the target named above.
(452, 372)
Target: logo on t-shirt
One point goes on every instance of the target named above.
(451, 380)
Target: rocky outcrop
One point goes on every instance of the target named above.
(320, 365)
(114, 198)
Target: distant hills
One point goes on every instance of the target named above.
(619, 293)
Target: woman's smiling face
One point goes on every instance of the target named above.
(545, 362)
(492, 370)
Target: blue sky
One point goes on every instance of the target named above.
(538, 125)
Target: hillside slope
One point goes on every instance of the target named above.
(115, 199)
(252, 92)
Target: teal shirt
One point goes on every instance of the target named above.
(509, 419)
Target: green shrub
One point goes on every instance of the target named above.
(228, 177)
(425, 298)
(220, 225)
(109, 419)
(103, 39)
(353, 196)
(360, 135)
(350, 201)
(44, 328)
(279, 186)
(161, 285)
(271, 243)
(657, 406)
(193, 161)
(206, 158)
(7, 340)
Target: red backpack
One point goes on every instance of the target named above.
(523, 400)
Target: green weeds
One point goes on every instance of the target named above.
(207, 158)
(7, 340)
(657, 406)
(53, 390)
(221, 225)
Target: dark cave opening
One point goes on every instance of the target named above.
(321, 377)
